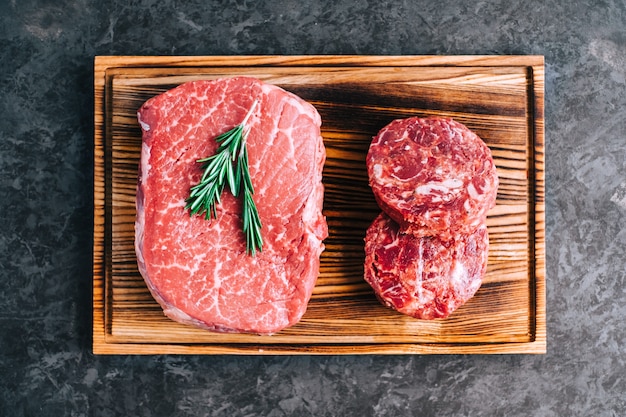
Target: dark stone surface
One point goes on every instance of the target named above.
(46, 139)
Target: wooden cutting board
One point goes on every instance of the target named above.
(499, 97)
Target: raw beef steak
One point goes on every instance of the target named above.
(434, 176)
(198, 270)
(423, 277)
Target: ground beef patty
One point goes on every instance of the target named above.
(434, 176)
(423, 277)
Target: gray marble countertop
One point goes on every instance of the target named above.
(46, 156)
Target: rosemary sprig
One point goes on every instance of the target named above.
(229, 166)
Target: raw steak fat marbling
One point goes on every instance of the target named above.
(198, 270)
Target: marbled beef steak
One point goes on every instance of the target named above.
(198, 270)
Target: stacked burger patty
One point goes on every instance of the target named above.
(435, 181)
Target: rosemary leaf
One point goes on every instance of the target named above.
(229, 166)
